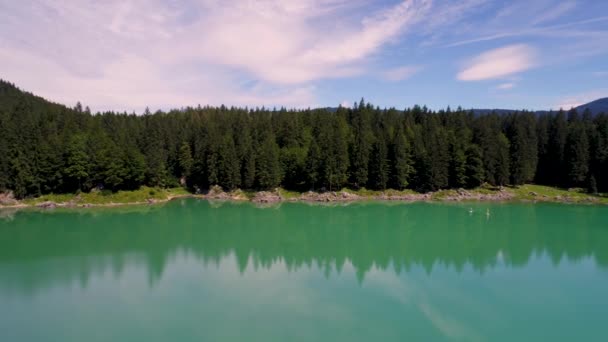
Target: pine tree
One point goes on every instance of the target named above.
(361, 146)
(229, 176)
(458, 168)
(474, 166)
(313, 164)
(503, 167)
(401, 160)
(592, 186)
(524, 154)
(558, 133)
(268, 167)
(135, 166)
(379, 166)
(77, 161)
(4, 151)
(185, 160)
(577, 154)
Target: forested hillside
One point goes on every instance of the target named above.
(47, 147)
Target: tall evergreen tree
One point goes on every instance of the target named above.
(379, 166)
(185, 160)
(268, 167)
(401, 160)
(474, 166)
(361, 146)
(524, 145)
(77, 162)
(558, 133)
(229, 176)
(577, 154)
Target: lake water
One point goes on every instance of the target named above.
(193, 270)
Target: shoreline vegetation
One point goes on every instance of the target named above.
(150, 196)
(52, 155)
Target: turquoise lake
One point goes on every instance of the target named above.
(193, 270)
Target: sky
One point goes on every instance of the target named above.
(126, 55)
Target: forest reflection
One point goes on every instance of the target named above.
(43, 249)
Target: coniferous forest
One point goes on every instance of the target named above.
(50, 148)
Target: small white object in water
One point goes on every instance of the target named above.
(488, 212)
(470, 211)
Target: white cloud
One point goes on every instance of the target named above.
(133, 83)
(499, 63)
(128, 54)
(400, 73)
(506, 86)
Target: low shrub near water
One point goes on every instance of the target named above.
(107, 196)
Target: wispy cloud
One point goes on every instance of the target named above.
(499, 63)
(400, 73)
(129, 54)
(522, 18)
(506, 86)
(555, 12)
(132, 51)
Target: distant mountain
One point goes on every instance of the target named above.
(10, 96)
(596, 107)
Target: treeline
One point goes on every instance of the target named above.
(46, 147)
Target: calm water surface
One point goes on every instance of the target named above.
(198, 271)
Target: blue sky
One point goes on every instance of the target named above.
(129, 54)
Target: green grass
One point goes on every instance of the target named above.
(442, 194)
(288, 194)
(528, 192)
(532, 192)
(143, 194)
(363, 192)
(482, 190)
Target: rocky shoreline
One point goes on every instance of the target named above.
(275, 196)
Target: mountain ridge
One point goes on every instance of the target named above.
(11, 94)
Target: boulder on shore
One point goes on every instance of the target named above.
(216, 192)
(267, 197)
(331, 196)
(7, 198)
(47, 205)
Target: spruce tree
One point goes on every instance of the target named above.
(401, 160)
(185, 160)
(474, 166)
(379, 166)
(577, 154)
(228, 164)
(77, 162)
(361, 146)
(268, 167)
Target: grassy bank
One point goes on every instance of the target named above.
(530, 192)
(524, 193)
(142, 195)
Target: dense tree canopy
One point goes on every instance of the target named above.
(46, 147)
